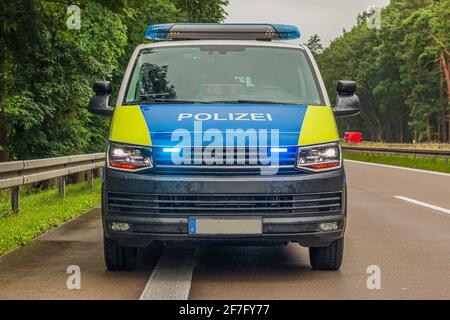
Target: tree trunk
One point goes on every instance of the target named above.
(439, 128)
(378, 129)
(429, 131)
(442, 116)
(448, 127)
(4, 143)
(400, 129)
(445, 67)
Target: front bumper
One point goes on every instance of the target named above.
(151, 205)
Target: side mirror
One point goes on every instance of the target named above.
(347, 103)
(101, 103)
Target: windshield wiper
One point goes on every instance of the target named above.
(255, 102)
(166, 101)
(240, 101)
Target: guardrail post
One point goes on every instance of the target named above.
(15, 199)
(90, 177)
(62, 186)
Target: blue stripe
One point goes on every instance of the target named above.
(163, 119)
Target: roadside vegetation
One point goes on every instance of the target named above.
(49, 61)
(432, 164)
(42, 211)
(402, 67)
(415, 146)
(48, 65)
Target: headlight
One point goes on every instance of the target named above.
(129, 158)
(322, 157)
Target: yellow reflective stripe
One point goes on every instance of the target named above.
(128, 126)
(318, 126)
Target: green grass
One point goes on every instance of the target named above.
(43, 211)
(440, 165)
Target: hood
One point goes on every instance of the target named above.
(161, 124)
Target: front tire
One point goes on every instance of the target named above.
(117, 257)
(327, 258)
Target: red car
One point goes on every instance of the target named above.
(353, 137)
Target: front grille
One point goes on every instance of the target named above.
(225, 204)
(227, 161)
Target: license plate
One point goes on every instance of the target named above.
(225, 226)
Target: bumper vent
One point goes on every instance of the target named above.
(225, 204)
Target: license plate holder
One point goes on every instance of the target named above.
(225, 226)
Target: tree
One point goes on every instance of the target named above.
(47, 70)
(49, 74)
(314, 44)
(401, 70)
(202, 11)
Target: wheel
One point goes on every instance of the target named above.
(117, 257)
(329, 257)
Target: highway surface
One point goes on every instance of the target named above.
(399, 224)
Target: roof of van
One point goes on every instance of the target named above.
(257, 43)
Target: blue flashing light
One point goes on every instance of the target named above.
(278, 150)
(287, 32)
(157, 31)
(172, 150)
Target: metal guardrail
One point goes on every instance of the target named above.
(444, 154)
(17, 173)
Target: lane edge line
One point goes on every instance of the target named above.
(397, 167)
(423, 204)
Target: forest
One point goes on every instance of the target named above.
(47, 69)
(402, 70)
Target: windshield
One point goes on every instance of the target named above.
(223, 74)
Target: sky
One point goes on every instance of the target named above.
(327, 18)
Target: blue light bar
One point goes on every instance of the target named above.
(172, 150)
(278, 150)
(287, 32)
(222, 31)
(157, 31)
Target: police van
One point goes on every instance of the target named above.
(223, 132)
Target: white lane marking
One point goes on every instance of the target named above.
(401, 168)
(172, 276)
(423, 204)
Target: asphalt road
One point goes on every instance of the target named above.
(399, 221)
